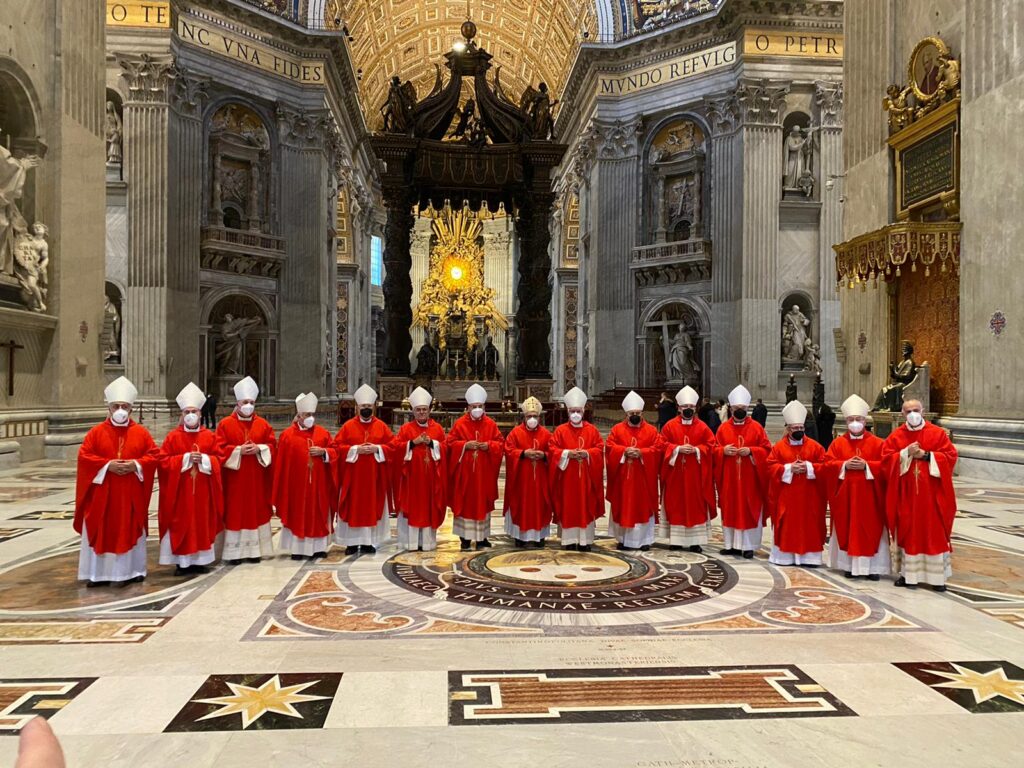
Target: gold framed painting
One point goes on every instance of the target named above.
(925, 69)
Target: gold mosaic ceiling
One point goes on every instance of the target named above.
(532, 41)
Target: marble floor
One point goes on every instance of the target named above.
(506, 658)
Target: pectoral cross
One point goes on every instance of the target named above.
(476, 438)
(534, 462)
(120, 447)
(11, 346)
(309, 464)
(629, 460)
(686, 441)
(917, 477)
(426, 453)
(579, 462)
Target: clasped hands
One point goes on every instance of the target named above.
(732, 450)
(915, 451)
(633, 453)
(249, 448)
(799, 467)
(474, 445)
(856, 463)
(580, 455)
(533, 455)
(122, 466)
(423, 439)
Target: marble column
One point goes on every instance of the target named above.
(146, 107)
(615, 194)
(828, 96)
(308, 281)
(397, 282)
(188, 95)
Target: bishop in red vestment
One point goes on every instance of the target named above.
(364, 446)
(796, 497)
(475, 449)
(576, 460)
(305, 494)
(634, 449)
(687, 478)
(191, 495)
(855, 482)
(113, 487)
(920, 502)
(741, 476)
(420, 476)
(527, 492)
(247, 443)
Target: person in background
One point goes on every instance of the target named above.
(760, 412)
(709, 415)
(825, 420)
(666, 410)
(722, 409)
(208, 412)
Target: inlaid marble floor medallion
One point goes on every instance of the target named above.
(552, 592)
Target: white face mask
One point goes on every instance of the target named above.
(477, 413)
(120, 416)
(247, 410)
(915, 419)
(191, 420)
(308, 422)
(576, 418)
(855, 427)
(532, 422)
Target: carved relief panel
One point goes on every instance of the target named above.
(240, 170)
(675, 183)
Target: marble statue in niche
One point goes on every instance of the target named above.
(13, 175)
(812, 357)
(230, 345)
(798, 161)
(111, 332)
(795, 335)
(682, 363)
(113, 133)
(31, 257)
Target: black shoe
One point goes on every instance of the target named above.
(728, 551)
(621, 547)
(873, 577)
(900, 582)
(319, 554)
(485, 544)
(232, 562)
(199, 569)
(571, 547)
(748, 554)
(352, 549)
(297, 557)
(419, 549)
(465, 544)
(253, 560)
(179, 571)
(676, 548)
(519, 543)
(645, 548)
(696, 549)
(939, 588)
(584, 547)
(811, 565)
(366, 549)
(849, 574)
(539, 544)
(95, 584)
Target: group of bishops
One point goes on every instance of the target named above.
(218, 490)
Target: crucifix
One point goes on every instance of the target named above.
(11, 346)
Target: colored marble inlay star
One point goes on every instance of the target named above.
(977, 686)
(252, 703)
(260, 702)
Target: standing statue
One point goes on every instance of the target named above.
(818, 396)
(426, 360)
(230, 347)
(812, 357)
(31, 257)
(682, 364)
(113, 133)
(13, 174)
(536, 105)
(900, 375)
(466, 119)
(791, 389)
(397, 110)
(795, 334)
(111, 332)
(491, 360)
(798, 154)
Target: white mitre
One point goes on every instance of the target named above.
(420, 397)
(739, 396)
(632, 402)
(476, 395)
(855, 405)
(120, 390)
(687, 396)
(306, 403)
(246, 389)
(365, 395)
(191, 397)
(795, 412)
(575, 398)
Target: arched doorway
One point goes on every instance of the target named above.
(238, 338)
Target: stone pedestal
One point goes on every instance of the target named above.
(804, 386)
(542, 389)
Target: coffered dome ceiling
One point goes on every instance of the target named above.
(531, 40)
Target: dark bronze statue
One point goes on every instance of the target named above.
(791, 389)
(900, 375)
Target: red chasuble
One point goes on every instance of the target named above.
(742, 485)
(304, 490)
(527, 492)
(116, 511)
(578, 490)
(247, 490)
(191, 502)
(797, 508)
(633, 483)
(688, 491)
(857, 504)
(473, 481)
(920, 507)
(366, 482)
(421, 482)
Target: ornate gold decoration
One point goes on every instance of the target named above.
(933, 79)
(455, 278)
(927, 161)
(532, 40)
(886, 251)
